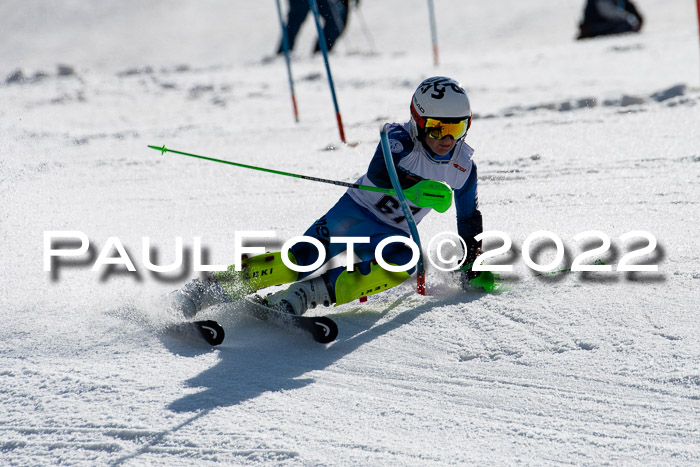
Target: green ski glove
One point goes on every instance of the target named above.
(485, 280)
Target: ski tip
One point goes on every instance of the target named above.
(325, 330)
(211, 331)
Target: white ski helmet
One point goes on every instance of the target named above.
(442, 99)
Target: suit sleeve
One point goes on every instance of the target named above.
(378, 173)
(469, 220)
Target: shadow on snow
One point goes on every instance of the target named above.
(270, 359)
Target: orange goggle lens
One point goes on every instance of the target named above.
(437, 129)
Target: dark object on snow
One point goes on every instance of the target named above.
(15, 77)
(605, 17)
(65, 70)
(333, 12)
(670, 93)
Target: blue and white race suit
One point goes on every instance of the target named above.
(361, 213)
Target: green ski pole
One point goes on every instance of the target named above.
(426, 193)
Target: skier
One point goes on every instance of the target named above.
(605, 17)
(430, 146)
(334, 14)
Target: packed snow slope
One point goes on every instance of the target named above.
(593, 368)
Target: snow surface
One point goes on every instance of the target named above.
(570, 136)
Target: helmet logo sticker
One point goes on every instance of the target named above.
(439, 84)
(417, 104)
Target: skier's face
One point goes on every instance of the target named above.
(440, 146)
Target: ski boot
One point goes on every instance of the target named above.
(301, 296)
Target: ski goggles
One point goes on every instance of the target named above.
(438, 129)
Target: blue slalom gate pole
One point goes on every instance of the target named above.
(324, 50)
(393, 176)
(285, 48)
(433, 31)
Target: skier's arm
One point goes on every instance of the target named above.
(401, 146)
(469, 225)
(469, 220)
